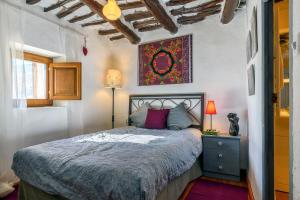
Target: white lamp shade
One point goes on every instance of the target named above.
(111, 10)
(113, 79)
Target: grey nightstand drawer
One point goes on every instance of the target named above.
(221, 161)
(221, 143)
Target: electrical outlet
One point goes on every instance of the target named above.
(294, 45)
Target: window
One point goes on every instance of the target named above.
(44, 81)
(37, 80)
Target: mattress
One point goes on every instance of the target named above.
(125, 163)
(174, 190)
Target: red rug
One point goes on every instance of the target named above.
(13, 195)
(208, 190)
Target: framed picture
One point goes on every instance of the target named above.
(249, 47)
(251, 80)
(254, 41)
(166, 62)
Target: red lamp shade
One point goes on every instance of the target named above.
(211, 108)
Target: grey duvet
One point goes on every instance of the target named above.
(121, 164)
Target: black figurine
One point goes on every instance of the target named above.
(234, 124)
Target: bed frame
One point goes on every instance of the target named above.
(194, 104)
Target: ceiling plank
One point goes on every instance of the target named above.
(140, 24)
(108, 31)
(178, 2)
(228, 11)
(93, 23)
(131, 5)
(196, 18)
(155, 7)
(150, 28)
(183, 10)
(125, 30)
(82, 17)
(66, 12)
(138, 15)
(205, 10)
(31, 2)
(57, 5)
(118, 37)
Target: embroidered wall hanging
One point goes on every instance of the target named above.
(166, 61)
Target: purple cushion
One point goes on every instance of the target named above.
(157, 119)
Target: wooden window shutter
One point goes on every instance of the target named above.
(65, 81)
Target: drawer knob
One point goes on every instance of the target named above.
(220, 167)
(220, 143)
(220, 155)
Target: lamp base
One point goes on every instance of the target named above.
(210, 132)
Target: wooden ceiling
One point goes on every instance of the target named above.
(138, 15)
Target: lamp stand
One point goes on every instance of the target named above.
(211, 122)
(113, 108)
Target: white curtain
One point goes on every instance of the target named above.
(71, 44)
(12, 88)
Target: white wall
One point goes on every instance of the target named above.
(295, 77)
(255, 110)
(44, 124)
(218, 70)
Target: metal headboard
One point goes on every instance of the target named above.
(193, 101)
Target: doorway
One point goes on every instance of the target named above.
(281, 106)
(276, 25)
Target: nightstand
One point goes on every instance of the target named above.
(221, 157)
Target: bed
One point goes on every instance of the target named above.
(123, 163)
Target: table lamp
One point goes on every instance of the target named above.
(211, 110)
(113, 80)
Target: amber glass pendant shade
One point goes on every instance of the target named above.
(111, 10)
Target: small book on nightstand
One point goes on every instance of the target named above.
(221, 156)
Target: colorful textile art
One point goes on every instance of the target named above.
(166, 62)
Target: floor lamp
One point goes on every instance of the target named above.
(113, 80)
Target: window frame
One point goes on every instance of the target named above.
(47, 61)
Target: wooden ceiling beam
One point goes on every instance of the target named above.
(228, 11)
(131, 5)
(178, 2)
(196, 18)
(140, 24)
(150, 28)
(118, 37)
(108, 32)
(57, 5)
(66, 12)
(82, 17)
(93, 23)
(31, 2)
(125, 30)
(197, 11)
(183, 10)
(138, 15)
(155, 7)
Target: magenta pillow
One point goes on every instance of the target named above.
(157, 119)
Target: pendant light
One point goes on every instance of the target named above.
(111, 10)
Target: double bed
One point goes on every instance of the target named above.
(119, 164)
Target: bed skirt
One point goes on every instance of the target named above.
(172, 191)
